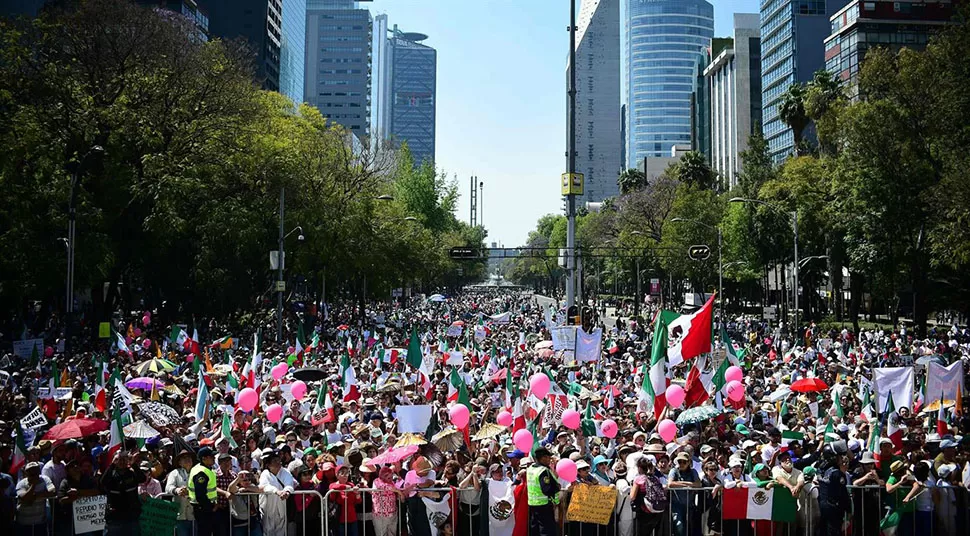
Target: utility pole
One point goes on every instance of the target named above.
(481, 203)
(473, 202)
(279, 271)
(572, 182)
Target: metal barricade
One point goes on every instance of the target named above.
(460, 506)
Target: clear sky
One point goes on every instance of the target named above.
(502, 98)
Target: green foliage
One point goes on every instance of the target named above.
(631, 180)
(693, 170)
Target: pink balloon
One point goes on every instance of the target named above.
(49, 351)
(667, 430)
(504, 418)
(137, 332)
(146, 343)
(190, 358)
(571, 418)
(298, 390)
(145, 320)
(459, 415)
(733, 374)
(675, 396)
(248, 399)
(290, 350)
(279, 371)
(274, 413)
(609, 428)
(540, 384)
(566, 469)
(128, 340)
(735, 390)
(522, 439)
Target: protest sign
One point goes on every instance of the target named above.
(591, 504)
(158, 516)
(104, 330)
(89, 514)
(25, 348)
(413, 418)
(564, 339)
(454, 331)
(33, 420)
(589, 345)
(60, 393)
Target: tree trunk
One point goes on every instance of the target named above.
(857, 283)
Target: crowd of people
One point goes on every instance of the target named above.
(317, 433)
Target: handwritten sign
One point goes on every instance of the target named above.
(89, 514)
(34, 420)
(591, 504)
(158, 516)
(25, 348)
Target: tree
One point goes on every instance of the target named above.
(792, 113)
(631, 180)
(694, 170)
(823, 102)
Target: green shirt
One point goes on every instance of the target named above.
(895, 499)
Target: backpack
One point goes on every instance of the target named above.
(653, 499)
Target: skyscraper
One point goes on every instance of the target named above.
(734, 77)
(413, 97)
(272, 30)
(380, 100)
(598, 126)
(665, 40)
(339, 37)
(792, 49)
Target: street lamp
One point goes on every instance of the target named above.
(794, 221)
(638, 299)
(71, 224)
(720, 260)
(280, 284)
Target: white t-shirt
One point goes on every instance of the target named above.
(924, 501)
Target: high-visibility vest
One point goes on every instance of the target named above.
(536, 496)
(210, 490)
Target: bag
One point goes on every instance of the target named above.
(653, 499)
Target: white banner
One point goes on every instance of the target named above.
(89, 514)
(454, 331)
(564, 338)
(943, 382)
(895, 380)
(588, 345)
(34, 420)
(413, 419)
(60, 393)
(502, 318)
(25, 348)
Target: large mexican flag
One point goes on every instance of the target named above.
(776, 504)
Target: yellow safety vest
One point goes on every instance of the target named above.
(210, 490)
(536, 496)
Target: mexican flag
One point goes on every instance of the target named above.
(224, 343)
(427, 388)
(100, 395)
(689, 336)
(323, 410)
(178, 336)
(117, 438)
(19, 451)
(192, 345)
(457, 392)
(697, 384)
(251, 372)
(227, 430)
(348, 379)
(518, 417)
(654, 373)
(120, 343)
(719, 381)
(612, 347)
(941, 421)
(734, 356)
(415, 357)
(776, 504)
(893, 431)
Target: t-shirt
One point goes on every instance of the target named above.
(34, 512)
(896, 499)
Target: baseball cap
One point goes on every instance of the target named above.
(205, 451)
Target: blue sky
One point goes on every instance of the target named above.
(502, 98)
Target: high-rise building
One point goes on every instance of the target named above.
(273, 32)
(598, 129)
(665, 40)
(189, 9)
(880, 23)
(700, 102)
(380, 100)
(339, 36)
(734, 77)
(792, 50)
(413, 95)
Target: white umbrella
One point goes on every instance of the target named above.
(140, 430)
(436, 298)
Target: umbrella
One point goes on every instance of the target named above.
(934, 406)
(410, 439)
(159, 414)
(174, 390)
(145, 383)
(697, 414)
(546, 352)
(154, 366)
(448, 439)
(140, 430)
(926, 360)
(489, 430)
(76, 428)
(808, 385)
(389, 387)
(394, 455)
(458, 323)
(543, 344)
(436, 298)
(343, 327)
(310, 374)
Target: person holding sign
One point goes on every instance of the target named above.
(120, 482)
(74, 486)
(543, 487)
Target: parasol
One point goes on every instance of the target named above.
(546, 353)
(394, 455)
(438, 298)
(542, 345)
(489, 430)
(76, 429)
(154, 366)
(448, 439)
(159, 414)
(926, 360)
(140, 430)
(934, 406)
(410, 439)
(145, 383)
(174, 390)
(389, 387)
(697, 414)
(809, 385)
(310, 374)
(458, 323)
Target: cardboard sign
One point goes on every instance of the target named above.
(89, 514)
(158, 516)
(33, 420)
(60, 393)
(104, 330)
(25, 348)
(591, 504)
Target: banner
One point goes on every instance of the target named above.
(895, 380)
(158, 516)
(413, 419)
(60, 393)
(34, 420)
(502, 318)
(591, 504)
(564, 339)
(25, 348)
(89, 514)
(588, 345)
(454, 331)
(942, 382)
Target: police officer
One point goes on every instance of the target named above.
(543, 488)
(203, 492)
(833, 497)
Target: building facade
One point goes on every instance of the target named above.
(339, 36)
(665, 40)
(734, 78)
(380, 100)
(413, 95)
(861, 25)
(792, 50)
(598, 125)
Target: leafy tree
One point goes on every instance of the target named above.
(631, 180)
(694, 170)
(792, 112)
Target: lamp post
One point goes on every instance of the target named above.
(720, 260)
(72, 225)
(794, 222)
